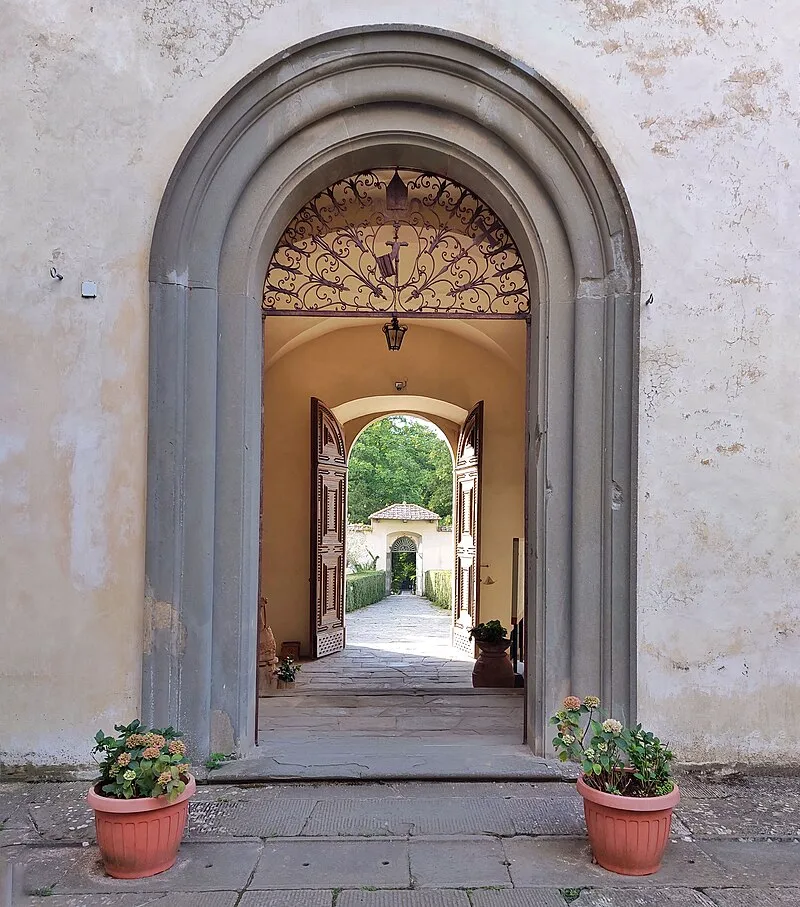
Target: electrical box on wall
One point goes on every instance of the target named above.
(89, 289)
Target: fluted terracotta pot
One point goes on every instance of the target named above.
(139, 837)
(493, 667)
(628, 835)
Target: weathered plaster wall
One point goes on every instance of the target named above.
(697, 105)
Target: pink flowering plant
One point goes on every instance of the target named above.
(631, 762)
(140, 762)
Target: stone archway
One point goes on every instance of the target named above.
(321, 111)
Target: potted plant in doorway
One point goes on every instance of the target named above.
(141, 801)
(493, 667)
(286, 672)
(626, 784)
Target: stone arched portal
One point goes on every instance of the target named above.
(381, 98)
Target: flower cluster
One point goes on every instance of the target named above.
(287, 669)
(141, 762)
(614, 759)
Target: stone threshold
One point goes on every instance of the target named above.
(431, 690)
(390, 759)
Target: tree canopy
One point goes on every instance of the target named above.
(399, 459)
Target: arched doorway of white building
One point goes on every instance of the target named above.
(285, 133)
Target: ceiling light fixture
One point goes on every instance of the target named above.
(394, 332)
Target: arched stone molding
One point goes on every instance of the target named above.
(315, 114)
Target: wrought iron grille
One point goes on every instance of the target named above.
(403, 543)
(397, 241)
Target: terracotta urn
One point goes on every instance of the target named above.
(493, 667)
(628, 835)
(139, 837)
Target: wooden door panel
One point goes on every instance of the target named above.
(467, 518)
(328, 488)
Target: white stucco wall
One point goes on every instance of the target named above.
(697, 106)
(434, 546)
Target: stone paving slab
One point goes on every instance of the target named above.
(199, 867)
(63, 816)
(567, 863)
(250, 817)
(626, 897)
(749, 897)
(755, 863)
(286, 899)
(518, 897)
(460, 815)
(548, 816)
(42, 868)
(404, 899)
(14, 806)
(306, 863)
(119, 899)
(718, 817)
(459, 863)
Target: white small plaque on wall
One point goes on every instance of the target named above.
(89, 289)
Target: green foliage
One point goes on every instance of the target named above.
(142, 762)
(399, 459)
(404, 570)
(439, 588)
(216, 759)
(630, 762)
(570, 894)
(45, 891)
(287, 669)
(493, 631)
(364, 588)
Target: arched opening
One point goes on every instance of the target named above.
(257, 159)
(404, 565)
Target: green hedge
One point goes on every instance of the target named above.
(439, 587)
(362, 589)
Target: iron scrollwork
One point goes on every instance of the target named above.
(433, 249)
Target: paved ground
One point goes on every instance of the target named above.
(400, 643)
(736, 843)
(397, 703)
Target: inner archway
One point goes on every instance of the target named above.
(252, 164)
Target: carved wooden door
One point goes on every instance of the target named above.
(328, 519)
(467, 532)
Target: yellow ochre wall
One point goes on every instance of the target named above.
(354, 362)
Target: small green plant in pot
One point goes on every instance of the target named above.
(492, 632)
(286, 672)
(626, 777)
(144, 779)
(493, 667)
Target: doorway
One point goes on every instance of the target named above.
(232, 191)
(404, 566)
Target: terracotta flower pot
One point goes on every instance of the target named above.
(493, 667)
(139, 837)
(285, 684)
(628, 835)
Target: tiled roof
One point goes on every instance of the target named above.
(404, 512)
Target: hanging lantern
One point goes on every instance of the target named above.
(396, 194)
(394, 332)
